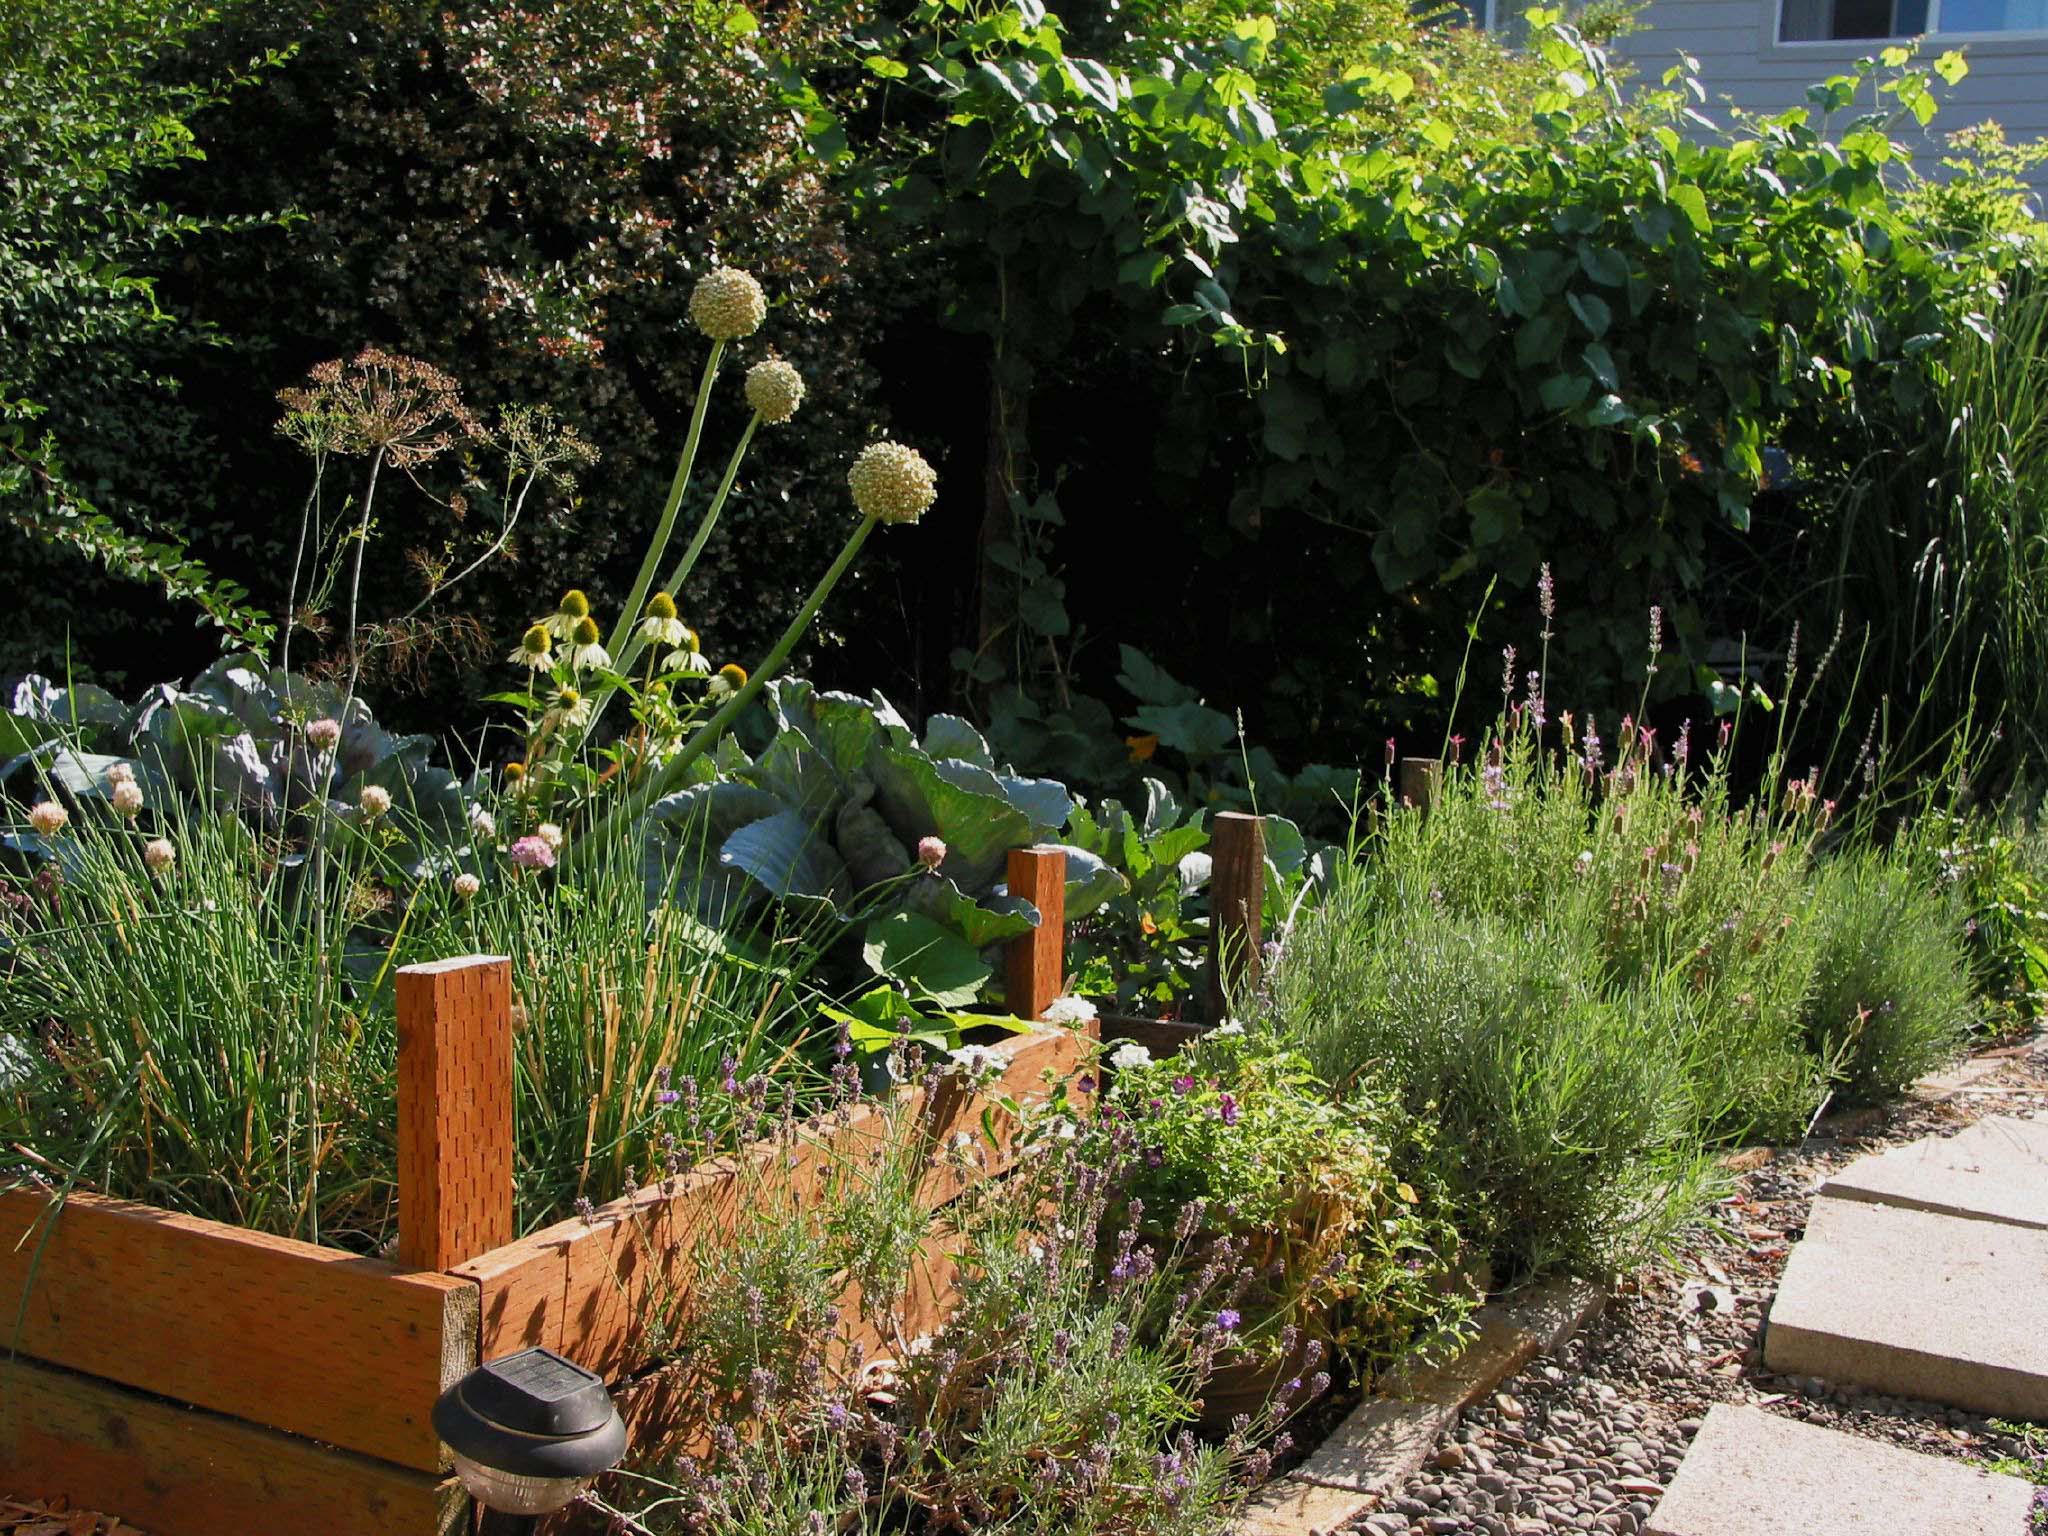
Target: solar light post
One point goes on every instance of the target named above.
(529, 1433)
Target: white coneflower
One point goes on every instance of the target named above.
(551, 834)
(585, 649)
(159, 855)
(775, 389)
(48, 817)
(573, 609)
(535, 650)
(127, 798)
(688, 656)
(569, 708)
(892, 483)
(727, 304)
(323, 735)
(467, 885)
(730, 679)
(374, 801)
(661, 626)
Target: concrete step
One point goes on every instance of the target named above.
(1996, 1170)
(1915, 1304)
(1751, 1473)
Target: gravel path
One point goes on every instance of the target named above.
(1587, 1440)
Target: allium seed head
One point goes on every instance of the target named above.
(159, 855)
(48, 817)
(727, 304)
(775, 389)
(892, 483)
(323, 735)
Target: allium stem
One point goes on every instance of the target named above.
(706, 735)
(651, 561)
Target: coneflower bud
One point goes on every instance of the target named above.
(127, 799)
(892, 483)
(775, 389)
(374, 801)
(48, 817)
(159, 855)
(727, 304)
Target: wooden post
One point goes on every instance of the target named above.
(1035, 963)
(1421, 780)
(1237, 900)
(454, 1110)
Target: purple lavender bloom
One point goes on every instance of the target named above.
(1228, 1320)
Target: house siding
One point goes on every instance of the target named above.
(1744, 66)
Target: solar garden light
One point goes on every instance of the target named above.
(529, 1433)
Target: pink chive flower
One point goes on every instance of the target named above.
(532, 853)
(931, 853)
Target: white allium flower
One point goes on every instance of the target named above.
(727, 304)
(482, 824)
(375, 801)
(159, 855)
(127, 799)
(1226, 1030)
(467, 885)
(121, 773)
(977, 1061)
(931, 852)
(48, 817)
(892, 483)
(1130, 1055)
(775, 389)
(323, 735)
(551, 834)
(1070, 1011)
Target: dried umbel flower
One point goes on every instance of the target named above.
(727, 304)
(466, 886)
(532, 853)
(892, 483)
(536, 443)
(931, 853)
(535, 650)
(374, 802)
(127, 798)
(407, 410)
(661, 626)
(323, 735)
(159, 855)
(48, 817)
(774, 389)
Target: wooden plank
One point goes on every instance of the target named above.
(1034, 963)
(582, 1287)
(1421, 781)
(178, 1471)
(1237, 902)
(312, 1340)
(454, 1110)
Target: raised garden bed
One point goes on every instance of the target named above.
(205, 1379)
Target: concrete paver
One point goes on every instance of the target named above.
(1996, 1170)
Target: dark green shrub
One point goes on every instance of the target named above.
(1892, 997)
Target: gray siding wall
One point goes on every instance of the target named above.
(1744, 65)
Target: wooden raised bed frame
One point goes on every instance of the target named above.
(205, 1380)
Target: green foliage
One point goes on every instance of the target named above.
(1233, 1137)
(1891, 996)
(85, 121)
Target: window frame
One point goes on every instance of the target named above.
(1779, 40)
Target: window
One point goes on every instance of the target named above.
(1821, 21)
